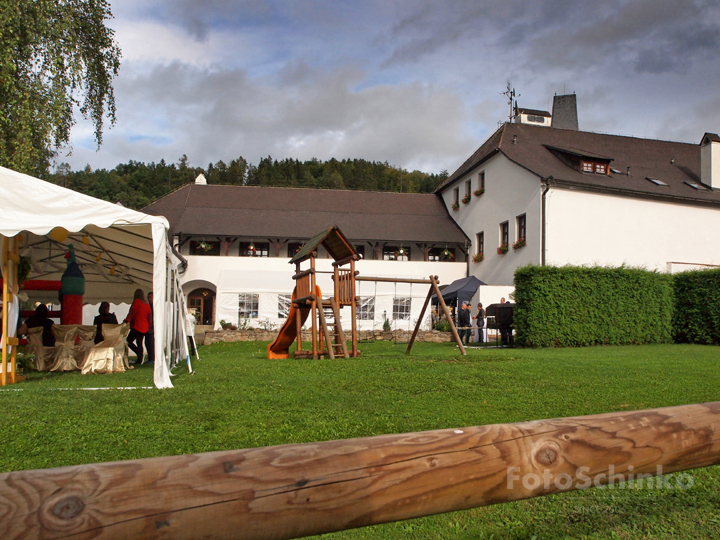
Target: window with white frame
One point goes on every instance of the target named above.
(456, 196)
(401, 308)
(481, 180)
(480, 243)
(366, 309)
(468, 188)
(284, 303)
(248, 306)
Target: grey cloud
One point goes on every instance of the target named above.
(213, 114)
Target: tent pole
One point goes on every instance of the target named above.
(5, 297)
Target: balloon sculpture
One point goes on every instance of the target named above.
(72, 290)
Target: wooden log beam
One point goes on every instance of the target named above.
(302, 489)
(393, 280)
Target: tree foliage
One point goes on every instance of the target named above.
(138, 184)
(55, 56)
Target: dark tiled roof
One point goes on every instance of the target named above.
(271, 212)
(672, 162)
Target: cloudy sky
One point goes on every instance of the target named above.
(416, 83)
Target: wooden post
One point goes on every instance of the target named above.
(448, 316)
(420, 319)
(298, 323)
(353, 309)
(303, 489)
(313, 309)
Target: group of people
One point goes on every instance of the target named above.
(465, 326)
(140, 319)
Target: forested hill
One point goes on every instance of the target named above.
(136, 184)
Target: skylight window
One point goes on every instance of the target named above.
(696, 186)
(615, 171)
(656, 181)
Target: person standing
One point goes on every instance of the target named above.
(139, 318)
(480, 323)
(464, 323)
(150, 337)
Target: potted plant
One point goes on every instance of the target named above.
(520, 243)
(466, 199)
(455, 206)
(478, 258)
(479, 191)
(502, 249)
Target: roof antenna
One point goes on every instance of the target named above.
(512, 101)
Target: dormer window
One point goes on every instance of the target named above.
(582, 160)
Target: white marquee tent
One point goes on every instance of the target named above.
(119, 250)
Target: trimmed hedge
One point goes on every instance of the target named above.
(578, 306)
(697, 307)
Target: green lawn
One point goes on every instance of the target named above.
(237, 398)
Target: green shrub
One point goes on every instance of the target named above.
(579, 306)
(696, 318)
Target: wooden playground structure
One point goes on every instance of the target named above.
(329, 338)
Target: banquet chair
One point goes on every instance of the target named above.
(65, 335)
(111, 354)
(43, 355)
(86, 339)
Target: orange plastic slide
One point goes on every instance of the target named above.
(280, 348)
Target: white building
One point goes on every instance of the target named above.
(561, 196)
(235, 243)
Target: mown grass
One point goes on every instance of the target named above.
(237, 399)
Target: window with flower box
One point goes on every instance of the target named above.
(204, 247)
(441, 254)
(396, 253)
(521, 222)
(480, 243)
(254, 249)
(293, 248)
(504, 234)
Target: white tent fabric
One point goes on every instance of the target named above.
(118, 249)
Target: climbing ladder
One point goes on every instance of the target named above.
(335, 339)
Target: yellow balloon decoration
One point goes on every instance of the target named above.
(99, 256)
(86, 240)
(59, 234)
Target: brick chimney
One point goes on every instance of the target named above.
(710, 160)
(564, 113)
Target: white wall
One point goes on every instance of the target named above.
(510, 191)
(270, 276)
(590, 228)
